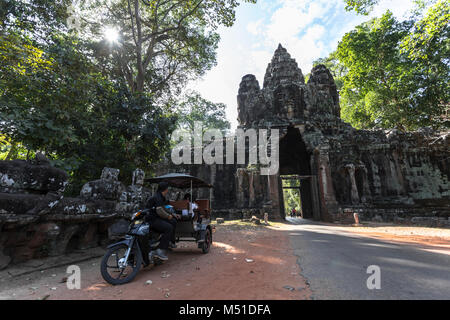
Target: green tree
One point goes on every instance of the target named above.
(40, 18)
(291, 197)
(62, 105)
(88, 103)
(395, 74)
(373, 93)
(32, 109)
(428, 48)
(364, 7)
(360, 6)
(128, 134)
(195, 108)
(163, 44)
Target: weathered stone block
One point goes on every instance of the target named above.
(19, 176)
(102, 190)
(15, 203)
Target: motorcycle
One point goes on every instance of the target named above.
(124, 259)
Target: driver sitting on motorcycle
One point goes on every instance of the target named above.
(161, 220)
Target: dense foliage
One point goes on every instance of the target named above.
(396, 74)
(291, 197)
(194, 108)
(360, 6)
(88, 103)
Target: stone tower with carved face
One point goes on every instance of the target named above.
(285, 98)
(339, 166)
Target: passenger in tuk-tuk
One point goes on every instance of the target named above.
(161, 220)
(192, 206)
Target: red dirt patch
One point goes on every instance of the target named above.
(222, 274)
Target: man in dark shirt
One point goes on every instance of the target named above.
(162, 221)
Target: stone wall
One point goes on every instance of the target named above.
(36, 220)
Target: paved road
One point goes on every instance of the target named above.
(335, 264)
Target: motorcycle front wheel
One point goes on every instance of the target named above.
(113, 267)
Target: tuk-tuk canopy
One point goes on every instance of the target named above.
(180, 180)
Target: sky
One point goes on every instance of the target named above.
(308, 29)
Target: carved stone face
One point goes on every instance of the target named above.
(247, 97)
(138, 177)
(86, 191)
(288, 101)
(110, 174)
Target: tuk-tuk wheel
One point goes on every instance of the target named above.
(208, 241)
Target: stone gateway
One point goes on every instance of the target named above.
(380, 174)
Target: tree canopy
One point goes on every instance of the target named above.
(360, 6)
(163, 44)
(87, 102)
(396, 74)
(194, 108)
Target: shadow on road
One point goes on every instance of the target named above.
(335, 261)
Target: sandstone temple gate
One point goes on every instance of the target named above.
(382, 174)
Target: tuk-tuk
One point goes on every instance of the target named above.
(197, 228)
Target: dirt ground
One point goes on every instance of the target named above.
(222, 274)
